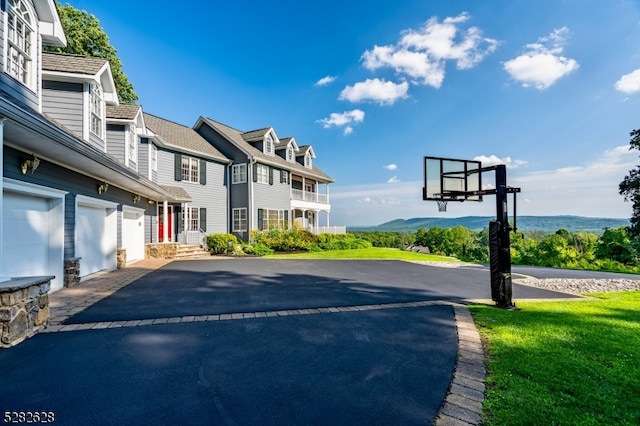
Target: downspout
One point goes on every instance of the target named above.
(2, 276)
(252, 161)
(228, 192)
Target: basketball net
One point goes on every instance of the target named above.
(442, 205)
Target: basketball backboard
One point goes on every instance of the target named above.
(449, 179)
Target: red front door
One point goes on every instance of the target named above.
(161, 223)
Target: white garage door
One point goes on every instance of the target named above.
(95, 238)
(133, 234)
(26, 235)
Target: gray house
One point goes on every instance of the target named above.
(274, 182)
(195, 172)
(65, 200)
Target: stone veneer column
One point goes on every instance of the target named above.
(24, 308)
(72, 271)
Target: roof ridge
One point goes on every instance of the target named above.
(169, 121)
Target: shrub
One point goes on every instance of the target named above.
(258, 249)
(340, 242)
(221, 243)
(284, 239)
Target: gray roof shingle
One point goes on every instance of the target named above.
(182, 138)
(123, 111)
(238, 139)
(75, 64)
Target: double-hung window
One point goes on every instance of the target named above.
(191, 218)
(190, 169)
(263, 173)
(239, 220)
(239, 173)
(19, 59)
(133, 144)
(96, 108)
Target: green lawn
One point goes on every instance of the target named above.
(368, 253)
(563, 363)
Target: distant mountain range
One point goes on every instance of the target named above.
(524, 223)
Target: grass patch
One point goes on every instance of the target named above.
(366, 253)
(563, 363)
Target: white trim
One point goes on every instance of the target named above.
(32, 188)
(131, 209)
(95, 202)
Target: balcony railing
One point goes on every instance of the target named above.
(336, 230)
(298, 194)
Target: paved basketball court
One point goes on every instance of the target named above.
(247, 341)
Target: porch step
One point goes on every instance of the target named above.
(191, 252)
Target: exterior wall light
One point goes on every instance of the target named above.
(102, 188)
(30, 164)
(136, 198)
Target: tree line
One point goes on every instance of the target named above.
(614, 250)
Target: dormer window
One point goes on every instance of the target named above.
(19, 63)
(307, 161)
(291, 155)
(96, 107)
(268, 144)
(133, 143)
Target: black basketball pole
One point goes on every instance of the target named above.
(503, 294)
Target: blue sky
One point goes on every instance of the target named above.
(551, 88)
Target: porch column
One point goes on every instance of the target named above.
(2, 276)
(165, 222)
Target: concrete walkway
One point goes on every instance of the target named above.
(462, 405)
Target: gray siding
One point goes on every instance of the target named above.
(272, 197)
(225, 147)
(64, 103)
(96, 141)
(116, 141)
(143, 156)
(212, 196)
(53, 176)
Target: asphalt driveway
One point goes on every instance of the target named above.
(381, 360)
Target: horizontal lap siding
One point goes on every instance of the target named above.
(64, 103)
(272, 197)
(116, 141)
(212, 196)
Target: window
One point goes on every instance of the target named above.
(133, 144)
(284, 176)
(270, 219)
(307, 160)
(262, 172)
(154, 158)
(290, 154)
(239, 220)
(239, 173)
(190, 169)
(19, 61)
(96, 109)
(268, 144)
(192, 219)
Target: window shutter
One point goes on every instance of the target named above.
(203, 219)
(260, 218)
(270, 175)
(178, 215)
(203, 172)
(255, 172)
(286, 219)
(178, 167)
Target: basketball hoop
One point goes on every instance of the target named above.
(442, 205)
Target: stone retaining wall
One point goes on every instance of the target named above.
(24, 308)
(161, 250)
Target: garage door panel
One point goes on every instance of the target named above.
(95, 244)
(133, 235)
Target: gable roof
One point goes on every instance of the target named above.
(181, 138)
(123, 111)
(255, 135)
(237, 138)
(76, 64)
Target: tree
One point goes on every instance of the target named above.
(86, 37)
(615, 244)
(630, 187)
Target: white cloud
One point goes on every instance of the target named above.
(325, 80)
(589, 189)
(541, 65)
(375, 90)
(422, 54)
(493, 160)
(629, 83)
(393, 180)
(343, 119)
(391, 167)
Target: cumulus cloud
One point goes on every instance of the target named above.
(345, 119)
(325, 80)
(391, 166)
(542, 64)
(629, 83)
(493, 160)
(375, 90)
(421, 54)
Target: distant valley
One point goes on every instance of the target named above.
(524, 223)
